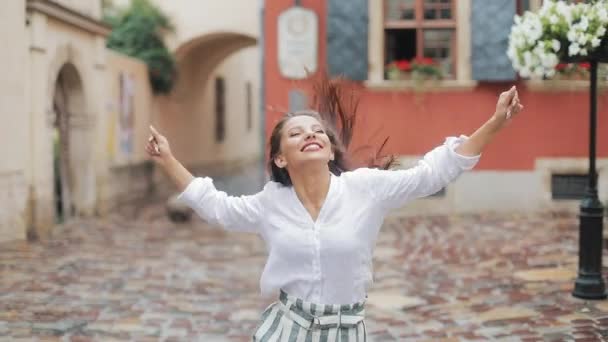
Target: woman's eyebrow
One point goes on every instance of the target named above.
(294, 128)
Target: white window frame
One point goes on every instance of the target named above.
(376, 50)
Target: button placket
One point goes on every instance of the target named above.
(317, 274)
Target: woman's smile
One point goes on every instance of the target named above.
(311, 147)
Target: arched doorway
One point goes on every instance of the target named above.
(68, 101)
(202, 96)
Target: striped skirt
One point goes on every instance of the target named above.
(291, 319)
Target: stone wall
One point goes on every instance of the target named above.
(14, 129)
(129, 172)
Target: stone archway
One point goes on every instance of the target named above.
(67, 104)
(185, 113)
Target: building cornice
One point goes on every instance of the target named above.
(69, 16)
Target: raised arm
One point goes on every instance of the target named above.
(394, 188)
(442, 165)
(507, 107)
(233, 213)
(158, 149)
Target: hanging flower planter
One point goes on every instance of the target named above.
(558, 32)
(571, 33)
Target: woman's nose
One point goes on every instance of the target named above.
(310, 135)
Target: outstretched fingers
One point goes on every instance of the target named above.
(515, 106)
(154, 132)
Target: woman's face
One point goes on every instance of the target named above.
(303, 140)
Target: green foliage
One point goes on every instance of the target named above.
(136, 32)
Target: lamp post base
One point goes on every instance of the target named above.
(589, 283)
(590, 286)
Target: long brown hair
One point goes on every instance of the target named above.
(336, 110)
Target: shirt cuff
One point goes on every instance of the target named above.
(465, 162)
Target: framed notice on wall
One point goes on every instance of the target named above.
(126, 114)
(298, 30)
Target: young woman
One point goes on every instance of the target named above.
(319, 219)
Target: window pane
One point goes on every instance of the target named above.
(400, 45)
(400, 10)
(249, 109)
(437, 9)
(220, 107)
(438, 46)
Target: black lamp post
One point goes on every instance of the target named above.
(589, 283)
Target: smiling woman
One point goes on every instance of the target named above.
(298, 129)
(320, 218)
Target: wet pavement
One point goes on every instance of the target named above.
(437, 278)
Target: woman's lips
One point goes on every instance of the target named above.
(311, 147)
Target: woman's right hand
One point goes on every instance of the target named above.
(158, 147)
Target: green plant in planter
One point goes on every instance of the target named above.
(426, 68)
(425, 72)
(136, 32)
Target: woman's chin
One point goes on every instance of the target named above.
(312, 159)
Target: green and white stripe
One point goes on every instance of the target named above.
(275, 326)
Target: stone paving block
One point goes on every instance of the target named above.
(393, 301)
(60, 327)
(547, 274)
(505, 313)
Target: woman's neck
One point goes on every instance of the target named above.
(311, 186)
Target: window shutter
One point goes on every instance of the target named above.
(347, 30)
(490, 28)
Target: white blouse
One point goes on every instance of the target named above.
(327, 261)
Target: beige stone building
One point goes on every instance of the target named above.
(75, 114)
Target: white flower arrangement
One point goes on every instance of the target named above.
(558, 31)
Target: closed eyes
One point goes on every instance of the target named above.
(296, 133)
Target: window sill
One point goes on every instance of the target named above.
(430, 86)
(561, 85)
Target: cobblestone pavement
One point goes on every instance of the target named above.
(457, 278)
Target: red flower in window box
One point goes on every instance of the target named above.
(585, 65)
(403, 65)
(572, 71)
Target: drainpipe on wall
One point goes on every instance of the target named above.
(262, 44)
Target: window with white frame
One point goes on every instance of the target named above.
(421, 32)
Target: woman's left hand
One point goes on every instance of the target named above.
(508, 106)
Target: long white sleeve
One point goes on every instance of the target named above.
(233, 213)
(439, 167)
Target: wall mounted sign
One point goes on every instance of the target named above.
(298, 30)
(126, 114)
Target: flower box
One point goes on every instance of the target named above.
(415, 69)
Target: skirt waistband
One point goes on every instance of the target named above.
(309, 308)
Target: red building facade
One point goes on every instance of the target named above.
(520, 170)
